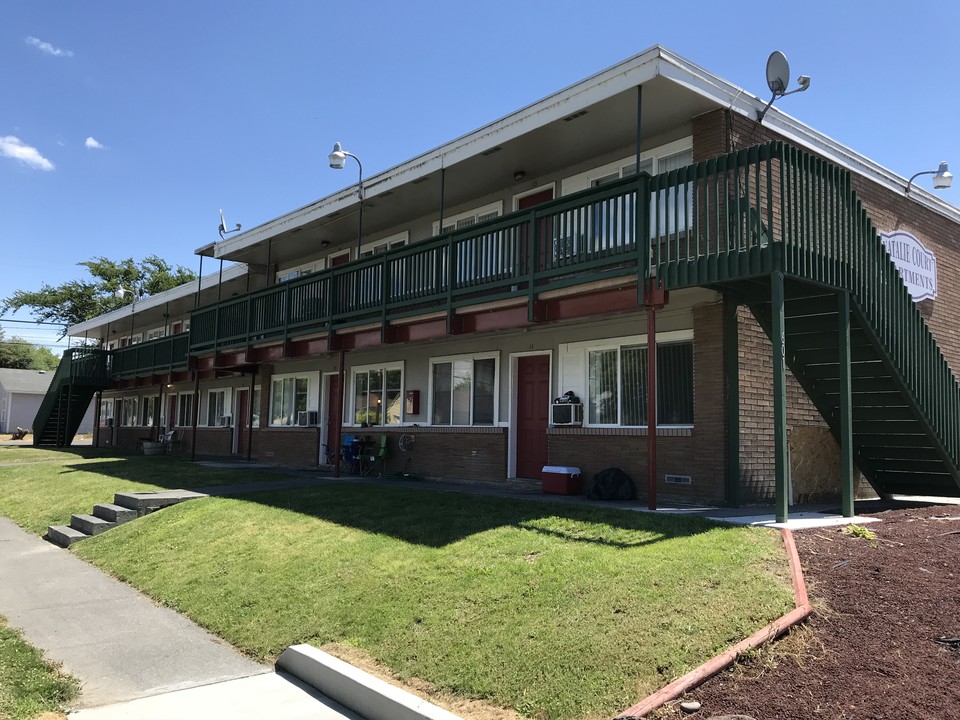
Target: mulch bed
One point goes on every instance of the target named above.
(870, 649)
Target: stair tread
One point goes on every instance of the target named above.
(64, 535)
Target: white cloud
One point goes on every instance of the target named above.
(12, 147)
(93, 144)
(47, 48)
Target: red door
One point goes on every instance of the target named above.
(546, 227)
(535, 199)
(242, 423)
(533, 403)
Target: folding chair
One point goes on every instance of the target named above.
(378, 458)
(350, 453)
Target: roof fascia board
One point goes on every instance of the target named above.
(153, 301)
(642, 67)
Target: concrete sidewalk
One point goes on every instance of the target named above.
(116, 641)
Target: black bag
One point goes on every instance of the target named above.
(611, 484)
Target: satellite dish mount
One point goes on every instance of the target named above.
(778, 77)
(223, 227)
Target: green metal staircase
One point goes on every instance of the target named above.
(82, 371)
(895, 445)
(784, 233)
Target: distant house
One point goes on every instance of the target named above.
(21, 392)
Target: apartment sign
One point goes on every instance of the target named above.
(917, 265)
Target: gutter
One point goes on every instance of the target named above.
(710, 668)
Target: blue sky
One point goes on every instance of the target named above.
(125, 126)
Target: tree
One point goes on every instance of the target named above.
(78, 300)
(19, 354)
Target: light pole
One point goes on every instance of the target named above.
(121, 293)
(338, 158)
(942, 177)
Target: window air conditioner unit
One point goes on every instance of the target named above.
(224, 421)
(306, 418)
(566, 414)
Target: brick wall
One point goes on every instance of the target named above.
(476, 454)
(813, 450)
(699, 453)
(295, 447)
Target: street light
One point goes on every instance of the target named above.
(121, 293)
(338, 158)
(942, 177)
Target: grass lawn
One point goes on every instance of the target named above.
(28, 684)
(41, 487)
(556, 611)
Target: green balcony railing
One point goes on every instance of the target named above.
(163, 355)
(590, 233)
(80, 367)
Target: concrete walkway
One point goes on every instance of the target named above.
(116, 641)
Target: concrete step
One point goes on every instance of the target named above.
(90, 524)
(64, 536)
(142, 501)
(114, 513)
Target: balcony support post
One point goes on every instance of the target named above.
(846, 407)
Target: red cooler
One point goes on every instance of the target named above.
(558, 480)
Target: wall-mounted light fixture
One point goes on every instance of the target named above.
(942, 177)
(519, 175)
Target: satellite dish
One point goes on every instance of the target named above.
(778, 72)
(223, 227)
(778, 77)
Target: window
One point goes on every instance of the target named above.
(149, 409)
(290, 396)
(617, 385)
(388, 243)
(468, 218)
(672, 209)
(609, 224)
(185, 410)
(155, 333)
(464, 391)
(128, 416)
(256, 406)
(216, 407)
(106, 413)
(377, 395)
(292, 273)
